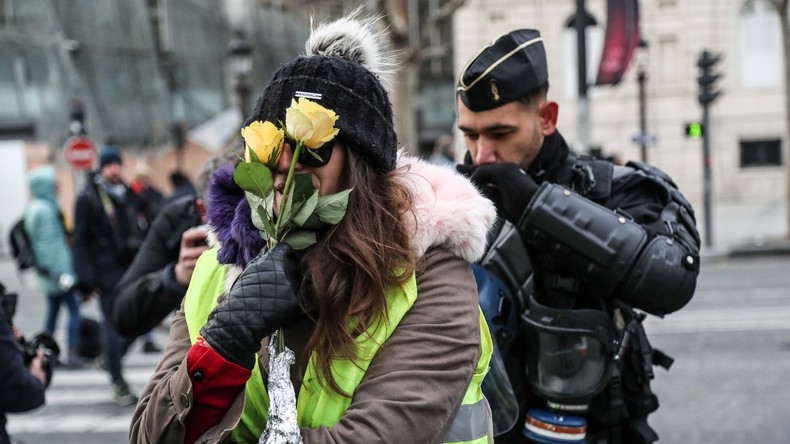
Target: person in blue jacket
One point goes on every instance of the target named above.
(47, 232)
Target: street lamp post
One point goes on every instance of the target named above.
(240, 57)
(641, 77)
(583, 106)
(179, 141)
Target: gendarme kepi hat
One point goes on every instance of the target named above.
(511, 67)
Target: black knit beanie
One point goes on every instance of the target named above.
(345, 87)
(109, 155)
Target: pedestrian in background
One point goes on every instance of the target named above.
(157, 280)
(381, 312)
(149, 202)
(106, 240)
(182, 186)
(149, 199)
(443, 151)
(46, 229)
(578, 244)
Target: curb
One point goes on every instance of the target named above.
(773, 247)
(767, 249)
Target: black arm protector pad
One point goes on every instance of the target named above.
(592, 242)
(602, 247)
(663, 279)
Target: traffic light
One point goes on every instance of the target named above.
(707, 77)
(76, 117)
(694, 130)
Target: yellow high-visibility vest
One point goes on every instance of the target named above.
(315, 406)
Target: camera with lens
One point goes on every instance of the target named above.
(42, 341)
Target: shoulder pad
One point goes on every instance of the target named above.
(652, 171)
(661, 178)
(678, 209)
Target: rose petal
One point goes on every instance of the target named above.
(298, 124)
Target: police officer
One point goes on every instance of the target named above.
(580, 244)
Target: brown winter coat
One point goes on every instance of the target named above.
(416, 382)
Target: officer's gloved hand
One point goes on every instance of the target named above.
(505, 184)
(265, 297)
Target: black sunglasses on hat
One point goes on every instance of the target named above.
(314, 158)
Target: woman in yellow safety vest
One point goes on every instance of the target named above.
(381, 312)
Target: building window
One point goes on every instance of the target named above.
(594, 36)
(761, 153)
(669, 69)
(759, 46)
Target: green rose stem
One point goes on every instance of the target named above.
(296, 152)
(288, 179)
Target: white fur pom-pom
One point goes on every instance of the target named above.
(355, 39)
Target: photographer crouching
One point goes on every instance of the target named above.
(25, 367)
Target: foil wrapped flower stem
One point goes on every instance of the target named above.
(282, 426)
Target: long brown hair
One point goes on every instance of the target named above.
(356, 262)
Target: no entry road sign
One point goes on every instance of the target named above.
(80, 152)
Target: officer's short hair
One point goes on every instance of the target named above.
(535, 96)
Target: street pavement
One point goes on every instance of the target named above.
(731, 344)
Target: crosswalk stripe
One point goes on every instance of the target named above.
(88, 377)
(70, 423)
(721, 320)
(79, 397)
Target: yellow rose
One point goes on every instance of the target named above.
(310, 123)
(265, 139)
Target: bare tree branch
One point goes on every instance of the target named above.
(395, 16)
(445, 11)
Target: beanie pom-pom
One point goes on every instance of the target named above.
(355, 39)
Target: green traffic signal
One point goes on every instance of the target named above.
(694, 130)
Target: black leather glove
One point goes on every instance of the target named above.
(265, 297)
(505, 184)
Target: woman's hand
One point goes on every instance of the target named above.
(265, 297)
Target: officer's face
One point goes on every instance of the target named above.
(513, 133)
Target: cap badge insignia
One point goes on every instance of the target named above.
(493, 89)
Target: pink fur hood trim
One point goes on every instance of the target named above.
(448, 209)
